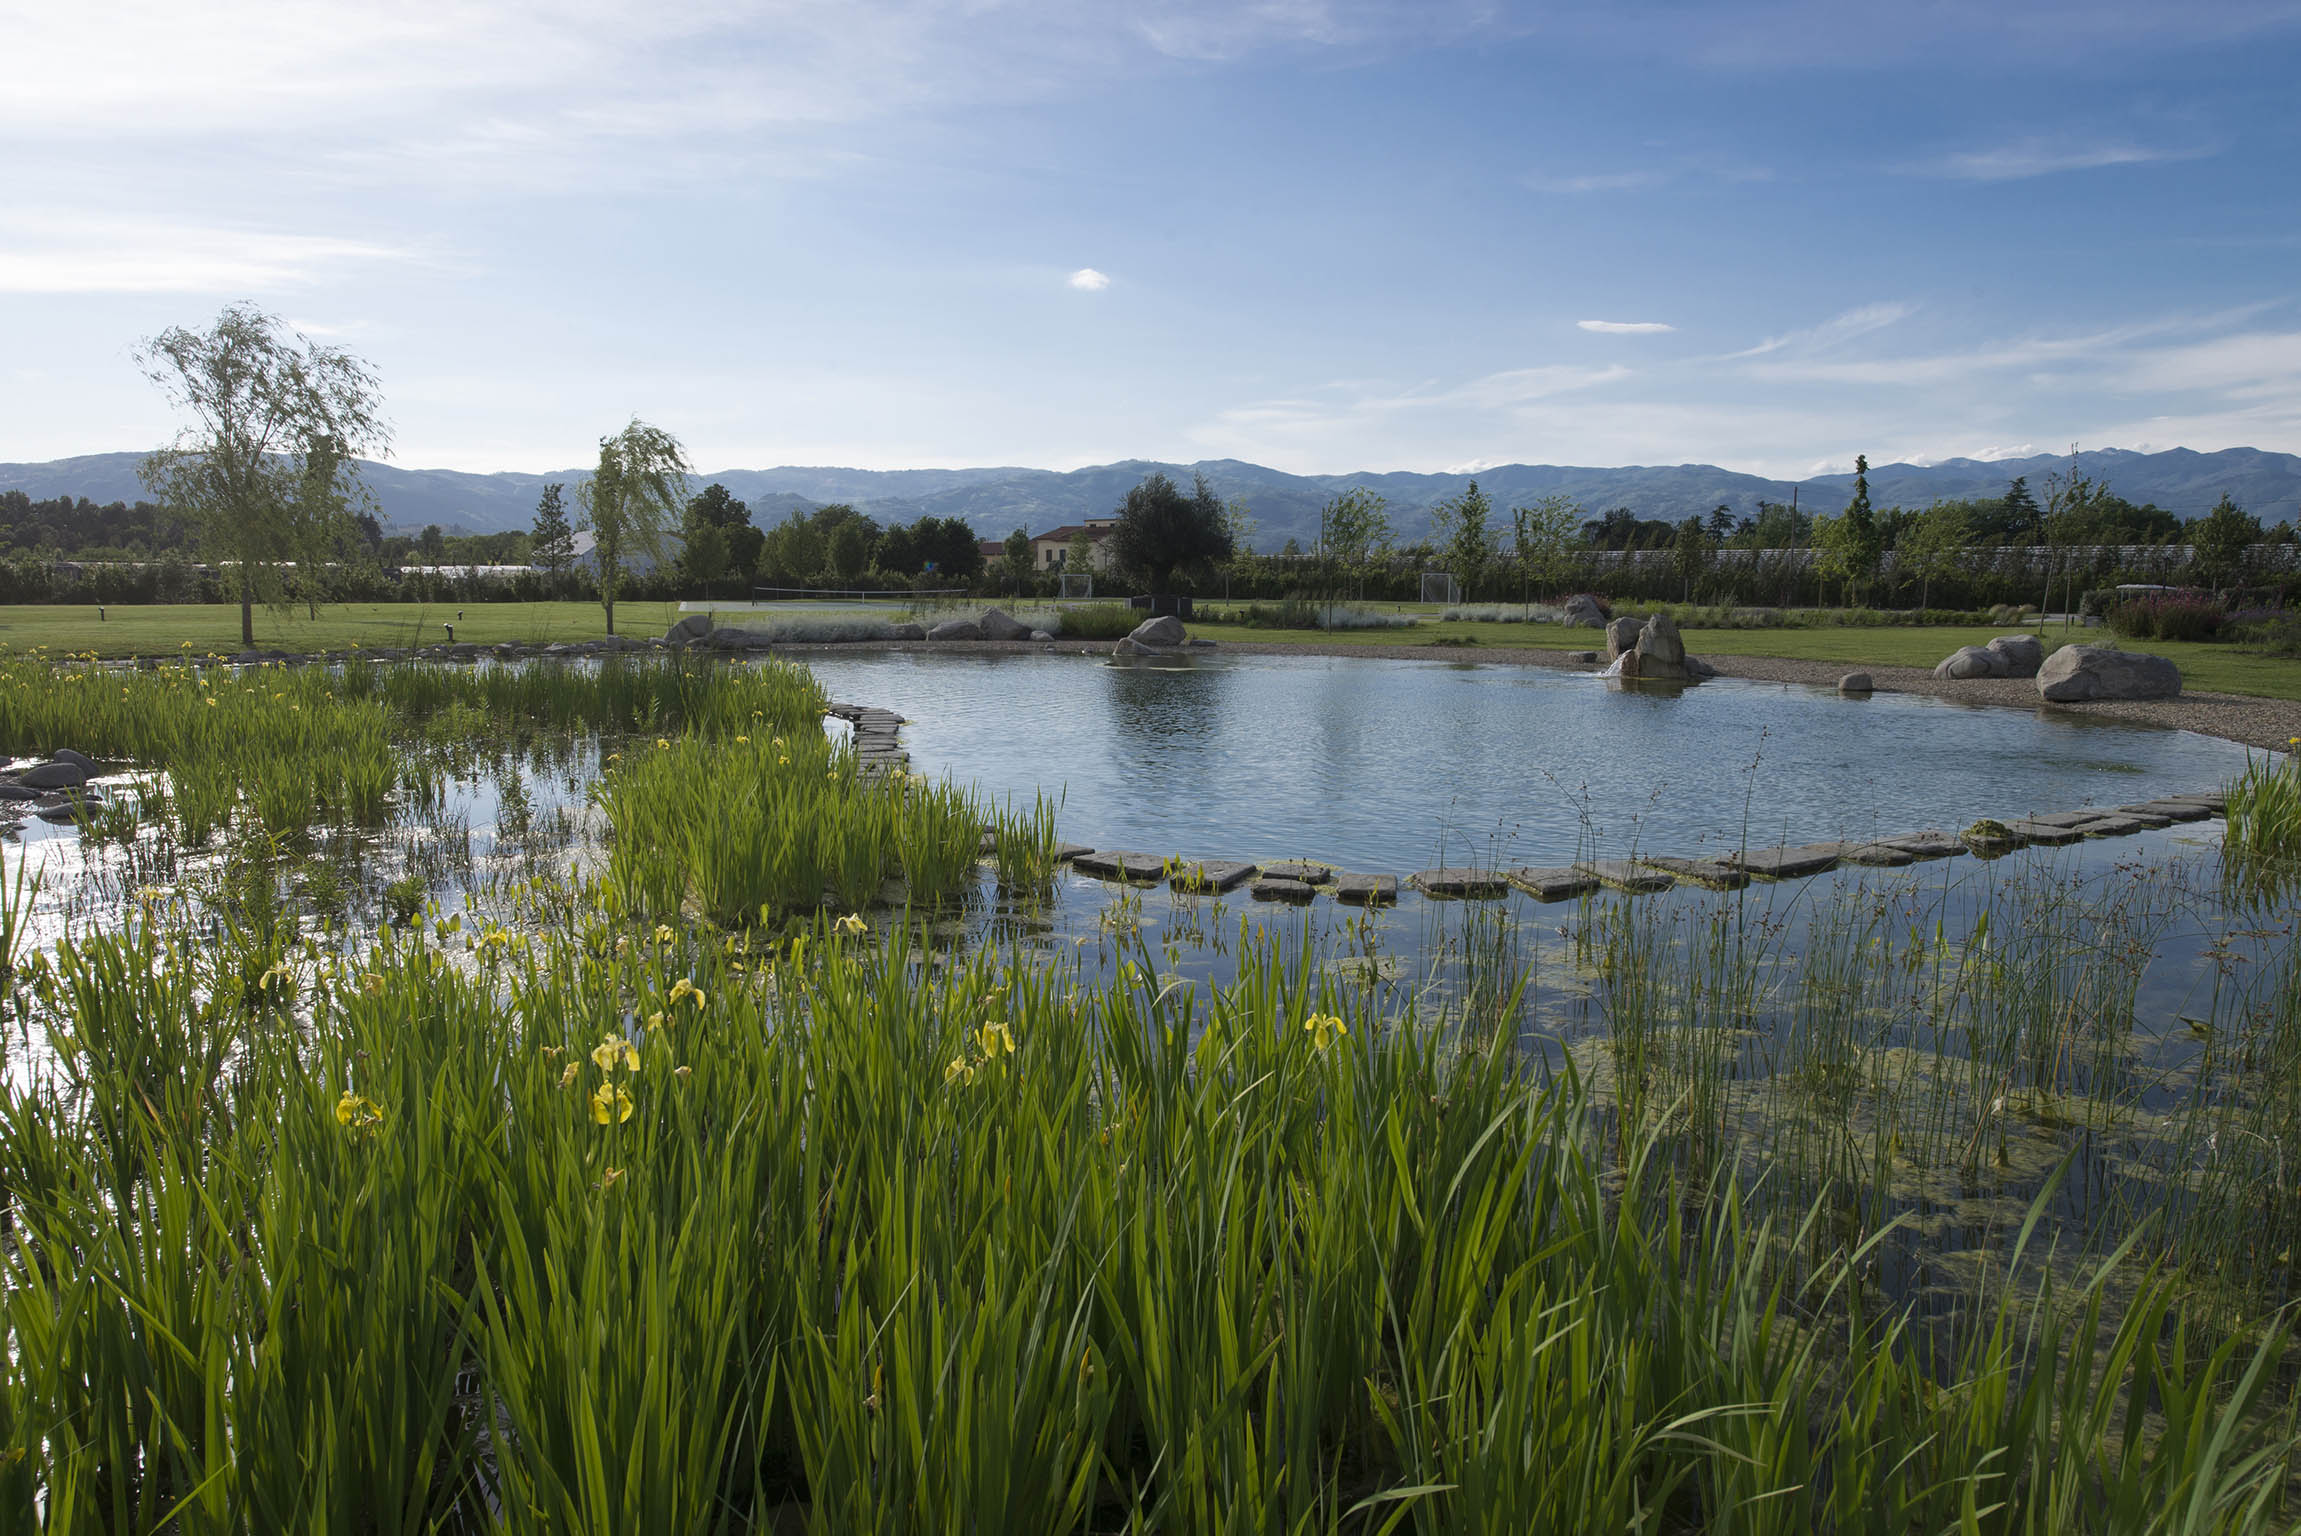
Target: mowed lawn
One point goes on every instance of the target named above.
(163, 629)
(214, 628)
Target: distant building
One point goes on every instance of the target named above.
(1049, 549)
(993, 551)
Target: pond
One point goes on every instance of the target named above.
(1394, 766)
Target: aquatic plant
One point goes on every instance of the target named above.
(2263, 837)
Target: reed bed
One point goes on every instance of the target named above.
(2263, 842)
(606, 1228)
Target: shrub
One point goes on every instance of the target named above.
(2176, 616)
(1098, 621)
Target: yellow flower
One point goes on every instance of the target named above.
(354, 1112)
(662, 744)
(610, 1103)
(995, 1039)
(852, 923)
(742, 741)
(568, 1076)
(959, 1071)
(685, 988)
(612, 1050)
(663, 933)
(372, 984)
(1324, 1029)
(612, 1175)
(346, 1107)
(655, 1021)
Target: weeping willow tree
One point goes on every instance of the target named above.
(633, 502)
(268, 467)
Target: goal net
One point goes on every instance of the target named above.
(1076, 585)
(1440, 587)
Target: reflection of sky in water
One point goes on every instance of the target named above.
(1396, 765)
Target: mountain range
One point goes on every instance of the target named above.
(1284, 506)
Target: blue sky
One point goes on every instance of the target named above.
(1322, 236)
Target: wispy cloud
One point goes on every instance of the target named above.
(1601, 181)
(1835, 331)
(53, 254)
(1625, 327)
(2022, 159)
(1088, 280)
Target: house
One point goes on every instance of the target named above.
(1050, 549)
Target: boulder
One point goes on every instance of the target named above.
(907, 632)
(67, 755)
(2078, 672)
(998, 624)
(2021, 655)
(1040, 634)
(956, 629)
(1969, 661)
(1660, 652)
(1584, 612)
(1622, 636)
(1165, 630)
(53, 776)
(688, 630)
(1854, 682)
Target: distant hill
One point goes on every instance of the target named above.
(1285, 506)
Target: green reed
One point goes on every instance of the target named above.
(598, 1228)
(2262, 842)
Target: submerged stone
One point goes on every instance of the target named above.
(1710, 872)
(1463, 884)
(1623, 875)
(1552, 884)
(1211, 875)
(1366, 890)
(1279, 888)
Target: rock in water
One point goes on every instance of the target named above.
(1661, 654)
(2018, 655)
(1165, 630)
(2079, 672)
(1622, 636)
(1854, 682)
(1969, 661)
(998, 624)
(956, 629)
(57, 775)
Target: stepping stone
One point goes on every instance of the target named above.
(2212, 799)
(1211, 875)
(1279, 888)
(2118, 826)
(1551, 884)
(1787, 863)
(1067, 853)
(1878, 855)
(1926, 845)
(2042, 832)
(2149, 820)
(1366, 890)
(1463, 884)
(1117, 864)
(1709, 872)
(1299, 869)
(2067, 818)
(1623, 875)
(2172, 810)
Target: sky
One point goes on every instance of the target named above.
(1321, 235)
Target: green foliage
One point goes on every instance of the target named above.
(632, 502)
(268, 465)
(1354, 527)
(552, 541)
(716, 537)
(2263, 840)
(1161, 531)
(1462, 528)
(2221, 538)
(1542, 535)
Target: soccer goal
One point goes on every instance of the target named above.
(1440, 587)
(1075, 586)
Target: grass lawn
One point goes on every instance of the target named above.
(161, 628)
(2210, 668)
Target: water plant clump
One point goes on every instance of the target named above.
(2263, 840)
(599, 1225)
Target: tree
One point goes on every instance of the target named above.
(716, 537)
(1721, 524)
(266, 415)
(1016, 556)
(2220, 539)
(1161, 531)
(1354, 527)
(432, 544)
(2021, 519)
(1849, 543)
(792, 555)
(1462, 526)
(1692, 554)
(552, 541)
(631, 501)
(1931, 543)
(1542, 533)
(1079, 555)
(848, 549)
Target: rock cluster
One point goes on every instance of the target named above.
(2006, 656)
(1652, 652)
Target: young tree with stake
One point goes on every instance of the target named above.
(632, 502)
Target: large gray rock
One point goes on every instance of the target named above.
(76, 759)
(1855, 682)
(2078, 672)
(2022, 655)
(1660, 651)
(907, 632)
(956, 629)
(998, 624)
(688, 630)
(1166, 629)
(1970, 661)
(1583, 612)
(53, 776)
(1622, 636)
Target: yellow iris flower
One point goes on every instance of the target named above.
(610, 1103)
(1324, 1029)
(995, 1039)
(852, 923)
(959, 1071)
(613, 1050)
(684, 988)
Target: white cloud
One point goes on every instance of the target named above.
(1832, 332)
(42, 253)
(1625, 327)
(2024, 158)
(1088, 280)
(1601, 181)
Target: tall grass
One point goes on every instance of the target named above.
(2263, 836)
(555, 1232)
